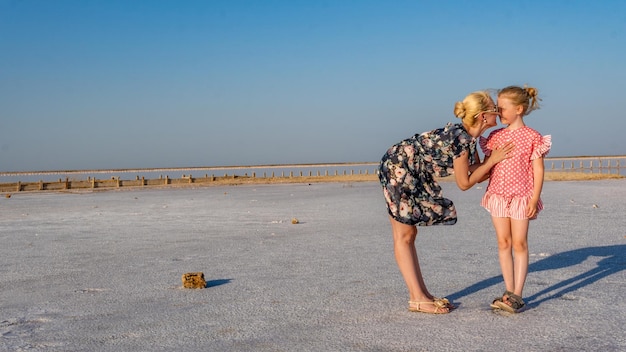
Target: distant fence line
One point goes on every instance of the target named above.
(116, 182)
(178, 169)
(602, 164)
(586, 164)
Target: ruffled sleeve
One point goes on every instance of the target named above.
(542, 148)
(482, 141)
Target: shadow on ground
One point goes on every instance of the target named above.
(614, 261)
(214, 283)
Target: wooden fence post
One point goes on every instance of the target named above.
(600, 162)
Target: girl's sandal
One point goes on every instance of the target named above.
(513, 304)
(415, 306)
(496, 302)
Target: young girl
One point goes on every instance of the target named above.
(513, 194)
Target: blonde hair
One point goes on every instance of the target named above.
(524, 96)
(473, 104)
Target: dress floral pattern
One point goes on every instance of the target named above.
(511, 181)
(407, 174)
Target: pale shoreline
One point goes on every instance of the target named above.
(102, 271)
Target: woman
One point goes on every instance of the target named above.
(407, 173)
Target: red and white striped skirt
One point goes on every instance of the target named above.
(513, 207)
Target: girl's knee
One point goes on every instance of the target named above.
(520, 246)
(504, 243)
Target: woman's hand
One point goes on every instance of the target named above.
(466, 176)
(501, 152)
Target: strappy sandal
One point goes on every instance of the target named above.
(497, 301)
(443, 303)
(439, 309)
(513, 304)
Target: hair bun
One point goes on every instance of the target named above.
(459, 109)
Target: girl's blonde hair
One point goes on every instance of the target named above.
(473, 104)
(524, 96)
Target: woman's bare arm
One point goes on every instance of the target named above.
(466, 179)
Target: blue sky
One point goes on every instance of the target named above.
(88, 84)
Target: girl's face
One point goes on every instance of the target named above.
(509, 112)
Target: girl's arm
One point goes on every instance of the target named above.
(538, 173)
(465, 180)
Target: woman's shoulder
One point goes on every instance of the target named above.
(447, 129)
(454, 128)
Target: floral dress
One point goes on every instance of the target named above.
(511, 183)
(407, 174)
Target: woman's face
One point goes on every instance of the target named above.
(490, 115)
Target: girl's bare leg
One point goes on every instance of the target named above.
(519, 229)
(504, 237)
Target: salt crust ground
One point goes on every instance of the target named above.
(101, 272)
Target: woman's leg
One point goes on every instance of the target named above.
(505, 255)
(418, 270)
(520, 253)
(406, 257)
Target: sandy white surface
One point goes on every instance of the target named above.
(102, 272)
